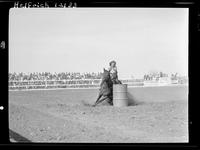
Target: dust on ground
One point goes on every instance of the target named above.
(40, 119)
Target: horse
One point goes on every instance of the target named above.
(106, 90)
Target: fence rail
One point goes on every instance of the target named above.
(74, 83)
(81, 83)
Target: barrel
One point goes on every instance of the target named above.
(120, 98)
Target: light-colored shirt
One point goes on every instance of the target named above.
(113, 72)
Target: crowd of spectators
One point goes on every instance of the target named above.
(38, 80)
(58, 80)
(154, 75)
(52, 76)
(174, 77)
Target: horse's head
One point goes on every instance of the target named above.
(106, 74)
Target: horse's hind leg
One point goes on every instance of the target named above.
(110, 100)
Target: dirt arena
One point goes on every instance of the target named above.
(156, 115)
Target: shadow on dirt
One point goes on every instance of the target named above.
(104, 103)
(132, 101)
(84, 103)
(15, 137)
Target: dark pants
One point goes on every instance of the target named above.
(116, 81)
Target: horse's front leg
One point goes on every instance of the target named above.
(102, 99)
(100, 95)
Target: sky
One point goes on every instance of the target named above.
(87, 39)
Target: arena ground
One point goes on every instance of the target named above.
(155, 114)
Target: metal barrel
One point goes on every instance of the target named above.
(120, 97)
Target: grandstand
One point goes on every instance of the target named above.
(22, 81)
